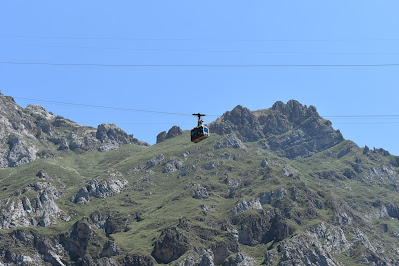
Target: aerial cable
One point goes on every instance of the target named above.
(199, 65)
(383, 116)
(105, 107)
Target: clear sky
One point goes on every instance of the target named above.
(199, 33)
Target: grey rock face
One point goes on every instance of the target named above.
(155, 161)
(172, 166)
(269, 197)
(240, 260)
(318, 245)
(42, 174)
(256, 203)
(82, 196)
(39, 111)
(264, 163)
(16, 212)
(230, 141)
(308, 138)
(30, 133)
(385, 173)
(161, 136)
(137, 260)
(111, 137)
(261, 227)
(240, 121)
(106, 188)
(243, 206)
(200, 193)
(314, 247)
(173, 132)
(304, 131)
(20, 151)
(171, 245)
(112, 132)
(114, 184)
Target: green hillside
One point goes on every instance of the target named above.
(180, 199)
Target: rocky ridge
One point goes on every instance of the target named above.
(30, 133)
(292, 130)
(230, 200)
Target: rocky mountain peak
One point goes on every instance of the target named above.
(39, 111)
(173, 132)
(293, 130)
(30, 133)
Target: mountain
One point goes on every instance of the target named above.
(277, 186)
(31, 133)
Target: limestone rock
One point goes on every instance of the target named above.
(30, 133)
(155, 161)
(42, 174)
(292, 130)
(170, 246)
(243, 206)
(172, 166)
(20, 151)
(240, 260)
(314, 247)
(200, 193)
(230, 141)
(161, 136)
(173, 132)
(137, 260)
(269, 197)
(24, 211)
(112, 132)
(39, 111)
(264, 163)
(113, 184)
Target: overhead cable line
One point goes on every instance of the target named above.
(106, 107)
(199, 65)
(361, 116)
(94, 38)
(175, 38)
(379, 116)
(211, 51)
(366, 123)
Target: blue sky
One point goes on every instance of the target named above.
(206, 33)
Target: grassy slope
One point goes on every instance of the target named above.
(169, 200)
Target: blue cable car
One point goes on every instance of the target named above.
(200, 132)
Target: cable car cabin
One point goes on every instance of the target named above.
(199, 133)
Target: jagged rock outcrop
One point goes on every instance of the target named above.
(137, 260)
(112, 185)
(240, 260)
(173, 132)
(256, 203)
(27, 210)
(30, 133)
(230, 141)
(172, 166)
(262, 227)
(170, 246)
(200, 193)
(292, 130)
(155, 161)
(111, 137)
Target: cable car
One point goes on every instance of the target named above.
(200, 132)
